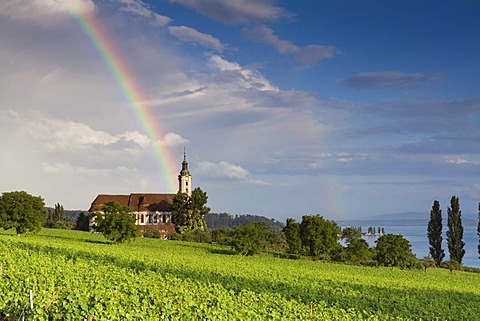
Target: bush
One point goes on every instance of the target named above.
(198, 235)
(251, 238)
(154, 234)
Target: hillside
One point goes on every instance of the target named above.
(216, 220)
(74, 275)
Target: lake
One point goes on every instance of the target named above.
(417, 235)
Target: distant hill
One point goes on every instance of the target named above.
(405, 218)
(216, 220)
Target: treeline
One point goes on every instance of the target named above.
(217, 220)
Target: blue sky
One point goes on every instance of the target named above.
(346, 109)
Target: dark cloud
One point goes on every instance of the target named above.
(238, 11)
(306, 56)
(390, 79)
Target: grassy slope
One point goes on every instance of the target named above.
(77, 274)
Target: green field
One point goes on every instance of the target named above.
(74, 275)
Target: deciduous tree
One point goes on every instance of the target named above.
(251, 238)
(351, 233)
(393, 250)
(319, 236)
(357, 251)
(188, 213)
(455, 231)
(434, 233)
(22, 211)
(292, 236)
(116, 222)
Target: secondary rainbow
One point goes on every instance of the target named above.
(105, 46)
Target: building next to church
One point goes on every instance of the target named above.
(152, 211)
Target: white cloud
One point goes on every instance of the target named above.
(226, 170)
(238, 11)
(187, 34)
(172, 139)
(247, 78)
(44, 10)
(136, 137)
(139, 8)
(461, 161)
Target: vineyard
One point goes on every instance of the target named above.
(73, 275)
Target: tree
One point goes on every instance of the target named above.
(251, 238)
(188, 213)
(357, 251)
(22, 211)
(82, 222)
(56, 218)
(478, 230)
(455, 231)
(292, 236)
(351, 233)
(116, 222)
(434, 233)
(222, 235)
(319, 236)
(393, 250)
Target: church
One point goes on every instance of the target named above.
(152, 211)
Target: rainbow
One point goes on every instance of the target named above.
(104, 45)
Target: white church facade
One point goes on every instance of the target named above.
(152, 211)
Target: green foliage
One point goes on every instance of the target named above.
(188, 213)
(319, 236)
(478, 230)
(455, 231)
(217, 220)
(451, 265)
(434, 233)
(358, 252)
(197, 235)
(56, 218)
(351, 233)
(22, 211)
(251, 238)
(425, 263)
(393, 250)
(222, 236)
(292, 236)
(82, 222)
(116, 222)
(74, 274)
(154, 234)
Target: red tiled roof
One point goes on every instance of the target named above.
(138, 201)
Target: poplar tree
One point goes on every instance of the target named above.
(455, 231)
(478, 230)
(434, 232)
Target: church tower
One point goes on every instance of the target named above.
(185, 179)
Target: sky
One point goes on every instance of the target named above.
(346, 109)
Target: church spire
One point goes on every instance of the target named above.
(185, 179)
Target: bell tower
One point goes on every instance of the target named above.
(185, 179)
